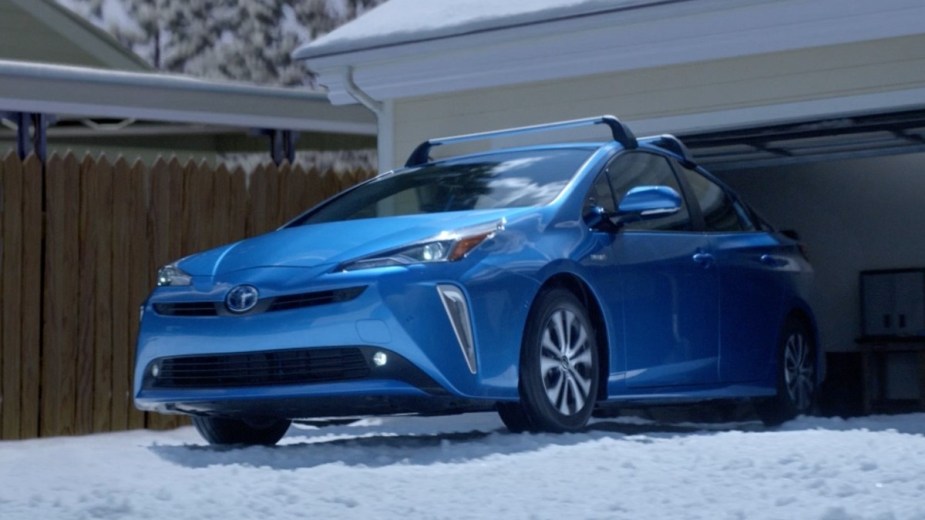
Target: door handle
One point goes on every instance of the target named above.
(773, 261)
(704, 259)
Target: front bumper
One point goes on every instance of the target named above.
(295, 383)
(244, 361)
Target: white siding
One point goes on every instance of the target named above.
(761, 82)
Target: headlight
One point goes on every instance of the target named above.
(446, 247)
(172, 275)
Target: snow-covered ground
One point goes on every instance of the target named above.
(469, 467)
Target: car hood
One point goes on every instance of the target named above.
(336, 242)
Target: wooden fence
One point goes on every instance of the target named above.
(80, 241)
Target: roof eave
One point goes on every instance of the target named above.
(323, 48)
(644, 38)
(80, 91)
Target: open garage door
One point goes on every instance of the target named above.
(849, 137)
(854, 188)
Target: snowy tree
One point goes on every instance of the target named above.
(244, 40)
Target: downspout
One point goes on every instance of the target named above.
(358, 94)
(384, 118)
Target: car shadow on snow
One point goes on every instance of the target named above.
(418, 441)
(380, 442)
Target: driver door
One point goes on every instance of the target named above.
(667, 287)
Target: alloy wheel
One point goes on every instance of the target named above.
(798, 371)
(566, 364)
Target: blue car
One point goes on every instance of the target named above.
(549, 283)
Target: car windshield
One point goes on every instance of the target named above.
(489, 181)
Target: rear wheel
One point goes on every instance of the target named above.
(221, 430)
(796, 376)
(558, 367)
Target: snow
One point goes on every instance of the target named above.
(399, 21)
(338, 161)
(469, 467)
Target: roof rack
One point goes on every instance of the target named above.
(672, 144)
(621, 134)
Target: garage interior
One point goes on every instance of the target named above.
(853, 188)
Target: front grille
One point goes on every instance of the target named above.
(186, 309)
(279, 303)
(295, 301)
(261, 368)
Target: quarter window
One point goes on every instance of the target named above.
(720, 211)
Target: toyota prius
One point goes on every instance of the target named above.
(549, 283)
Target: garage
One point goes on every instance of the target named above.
(851, 186)
(812, 110)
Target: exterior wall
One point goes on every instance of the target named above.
(853, 215)
(724, 93)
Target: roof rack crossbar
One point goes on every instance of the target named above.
(621, 134)
(672, 144)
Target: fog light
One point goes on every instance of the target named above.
(380, 359)
(155, 370)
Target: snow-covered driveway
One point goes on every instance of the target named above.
(469, 467)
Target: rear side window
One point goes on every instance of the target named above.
(635, 169)
(720, 211)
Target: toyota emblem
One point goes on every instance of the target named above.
(241, 299)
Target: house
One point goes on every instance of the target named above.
(814, 110)
(84, 92)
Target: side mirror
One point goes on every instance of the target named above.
(647, 202)
(639, 203)
(599, 219)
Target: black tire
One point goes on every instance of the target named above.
(514, 418)
(222, 430)
(796, 376)
(558, 367)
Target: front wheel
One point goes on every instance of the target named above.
(796, 376)
(558, 367)
(222, 430)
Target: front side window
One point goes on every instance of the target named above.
(720, 211)
(486, 181)
(635, 169)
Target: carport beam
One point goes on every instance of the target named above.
(31, 134)
(282, 145)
